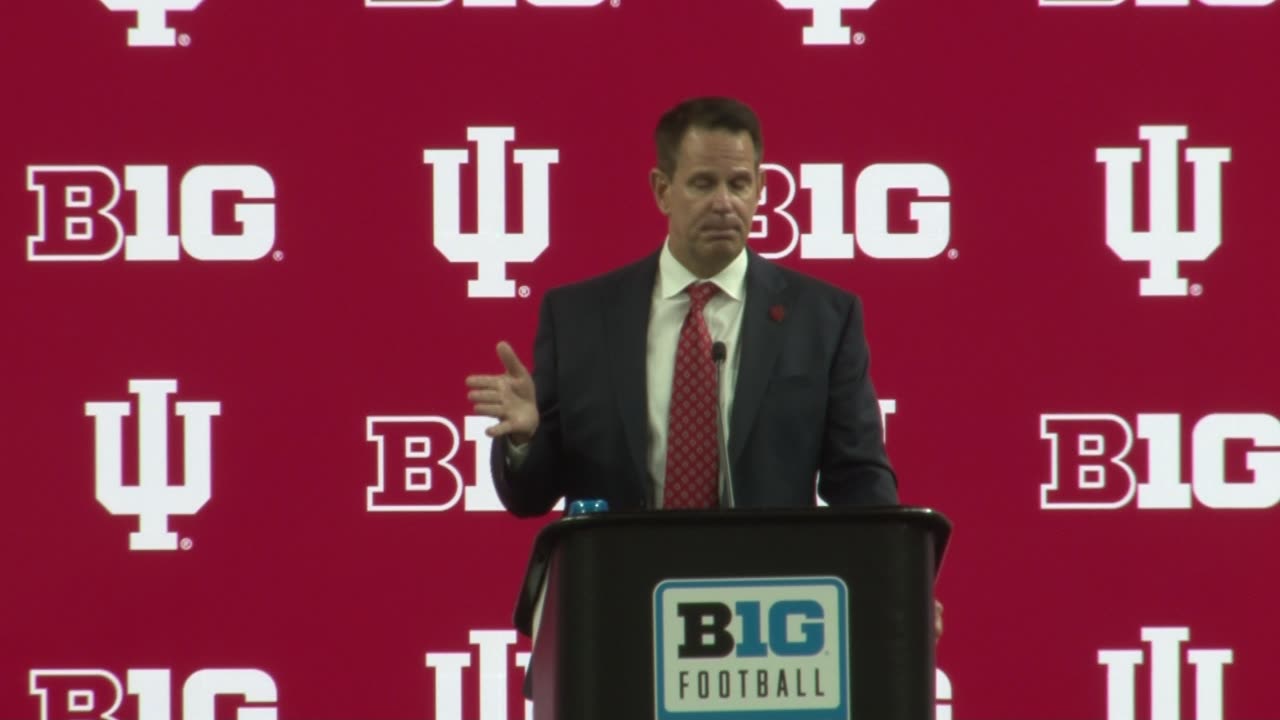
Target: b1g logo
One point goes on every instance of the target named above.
(737, 648)
(1089, 467)
(1154, 3)
(1163, 245)
(417, 471)
(827, 27)
(152, 28)
(495, 672)
(153, 499)
(1166, 662)
(419, 468)
(929, 210)
(492, 246)
(77, 218)
(94, 694)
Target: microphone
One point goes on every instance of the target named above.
(718, 354)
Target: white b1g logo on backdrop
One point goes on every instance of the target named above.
(1165, 658)
(491, 247)
(1163, 245)
(153, 499)
(496, 666)
(76, 222)
(1088, 468)
(94, 693)
(152, 28)
(826, 237)
(416, 466)
(418, 463)
(827, 27)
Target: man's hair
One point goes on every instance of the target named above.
(704, 113)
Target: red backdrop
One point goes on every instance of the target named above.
(995, 180)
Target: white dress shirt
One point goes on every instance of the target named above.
(669, 305)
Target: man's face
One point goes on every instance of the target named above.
(710, 199)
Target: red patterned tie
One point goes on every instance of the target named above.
(693, 458)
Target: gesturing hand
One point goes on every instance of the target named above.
(509, 397)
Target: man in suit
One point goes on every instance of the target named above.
(627, 383)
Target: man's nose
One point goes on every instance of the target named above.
(721, 200)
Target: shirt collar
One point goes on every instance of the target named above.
(673, 277)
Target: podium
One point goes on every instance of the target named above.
(801, 614)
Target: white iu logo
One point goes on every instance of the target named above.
(153, 28)
(495, 660)
(1166, 680)
(153, 499)
(827, 27)
(491, 247)
(1163, 245)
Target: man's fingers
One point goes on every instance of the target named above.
(483, 382)
(484, 396)
(493, 410)
(510, 361)
(502, 428)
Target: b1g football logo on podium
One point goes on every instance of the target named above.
(153, 499)
(76, 218)
(1163, 245)
(1165, 658)
(152, 28)
(95, 694)
(739, 648)
(492, 246)
(1090, 469)
(827, 27)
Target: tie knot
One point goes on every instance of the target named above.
(700, 293)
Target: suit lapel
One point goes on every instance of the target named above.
(760, 342)
(626, 334)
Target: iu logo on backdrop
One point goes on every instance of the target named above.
(154, 498)
(1165, 658)
(1090, 466)
(77, 220)
(1164, 244)
(98, 694)
(500, 673)
(492, 245)
(151, 28)
(827, 26)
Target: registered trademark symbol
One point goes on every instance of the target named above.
(1197, 289)
(953, 253)
(859, 38)
(184, 40)
(186, 544)
(277, 255)
(524, 291)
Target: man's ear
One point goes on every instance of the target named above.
(661, 185)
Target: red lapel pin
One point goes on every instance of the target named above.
(777, 312)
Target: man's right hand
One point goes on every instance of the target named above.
(509, 397)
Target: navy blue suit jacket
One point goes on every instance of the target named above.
(803, 403)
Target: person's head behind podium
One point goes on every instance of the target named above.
(707, 181)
